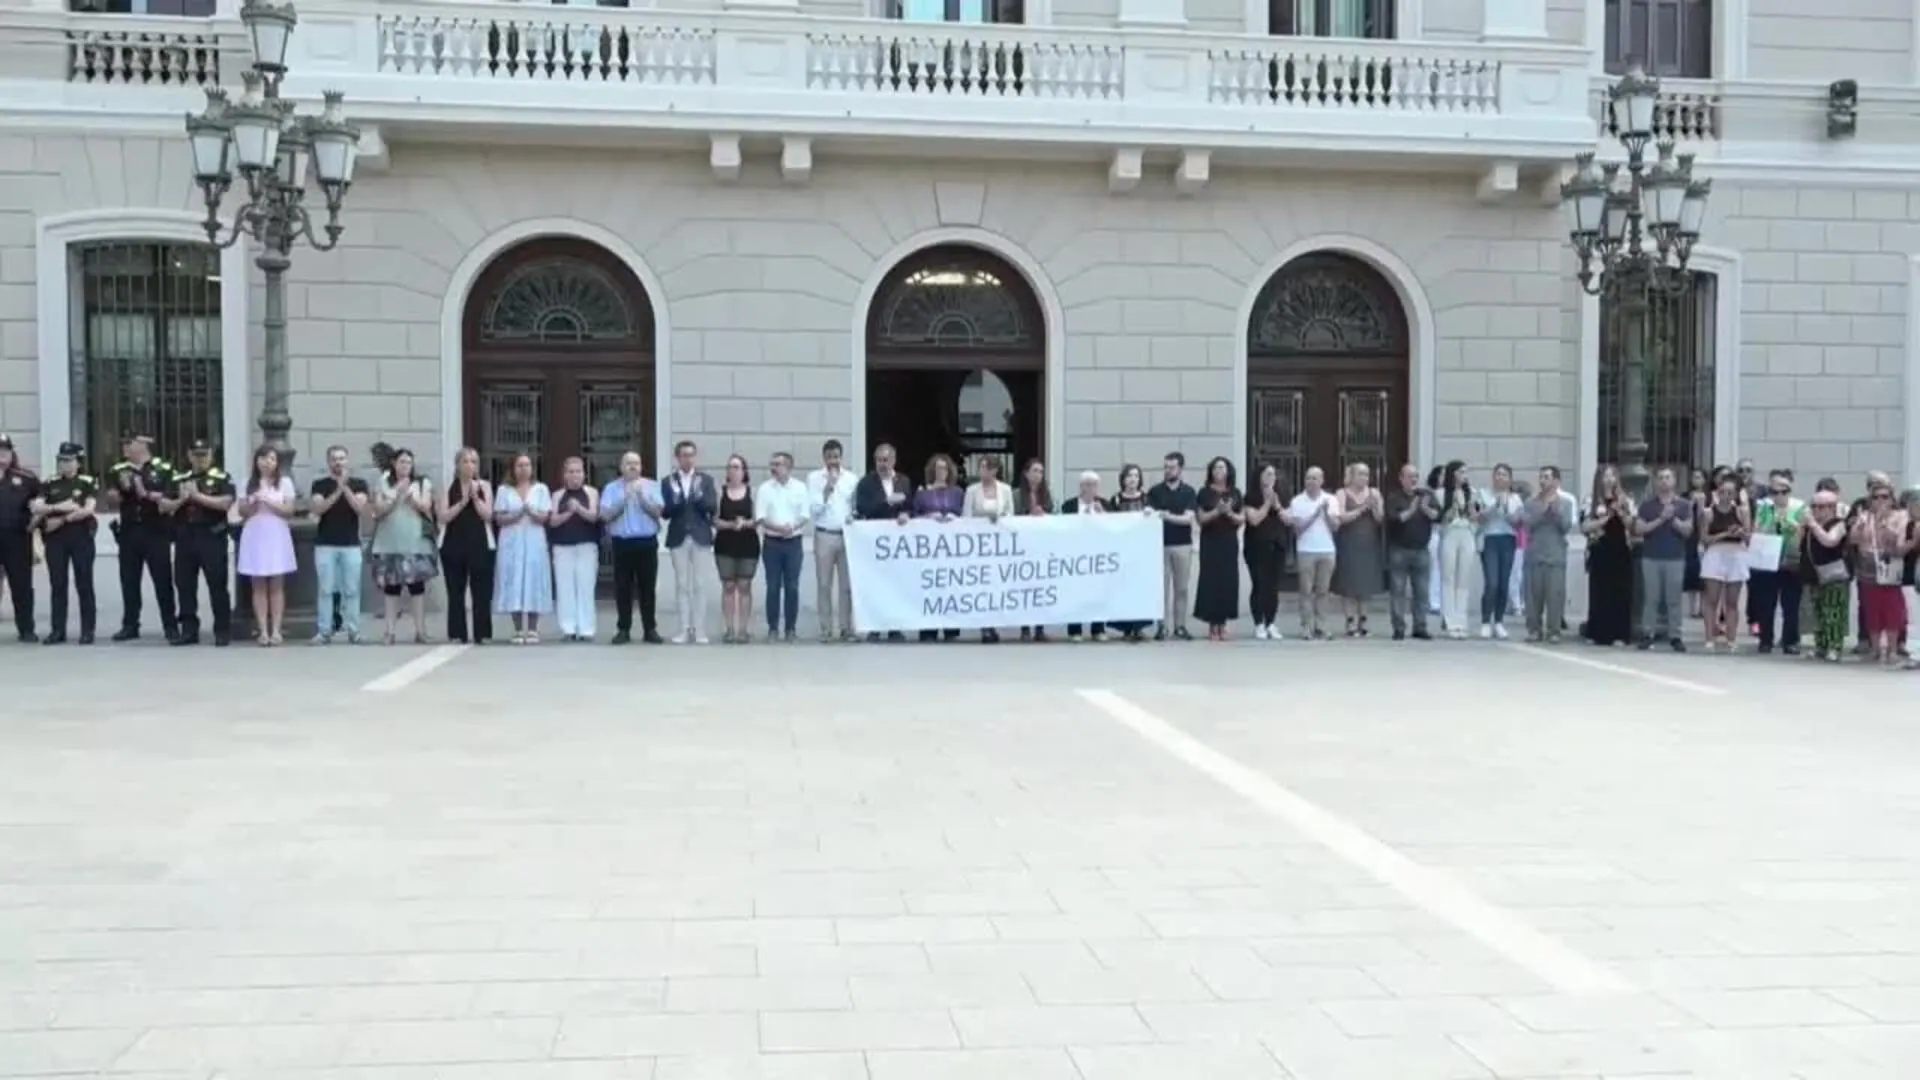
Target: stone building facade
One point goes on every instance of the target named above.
(523, 293)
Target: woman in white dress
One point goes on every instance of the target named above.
(990, 499)
(523, 583)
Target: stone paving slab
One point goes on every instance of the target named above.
(865, 863)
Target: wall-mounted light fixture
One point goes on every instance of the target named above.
(1843, 109)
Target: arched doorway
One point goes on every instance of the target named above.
(956, 361)
(557, 360)
(1327, 371)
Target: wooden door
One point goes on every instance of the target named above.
(554, 412)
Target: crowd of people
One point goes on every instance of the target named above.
(1726, 549)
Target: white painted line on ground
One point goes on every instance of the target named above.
(1555, 964)
(415, 669)
(1688, 685)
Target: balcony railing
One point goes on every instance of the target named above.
(133, 50)
(437, 62)
(1687, 111)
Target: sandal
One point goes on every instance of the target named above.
(519, 637)
(533, 638)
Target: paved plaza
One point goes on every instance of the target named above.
(1352, 861)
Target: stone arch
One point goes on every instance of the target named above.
(1328, 368)
(959, 350)
(615, 257)
(557, 345)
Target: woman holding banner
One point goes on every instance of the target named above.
(1216, 596)
(1033, 500)
(1088, 501)
(1131, 499)
(939, 500)
(990, 499)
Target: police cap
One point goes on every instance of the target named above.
(135, 437)
(200, 446)
(72, 451)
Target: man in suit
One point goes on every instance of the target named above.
(689, 501)
(884, 495)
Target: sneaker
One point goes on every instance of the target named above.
(1486, 631)
(1499, 632)
(1273, 633)
(701, 639)
(1259, 632)
(684, 637)
(323, 639)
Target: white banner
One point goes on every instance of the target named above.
(971, 574)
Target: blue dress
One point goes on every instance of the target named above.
(523, 571)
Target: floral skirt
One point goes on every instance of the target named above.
(403, 570)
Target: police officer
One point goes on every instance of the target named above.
(18, 489)
(199, 500)
(64, 515)
(144, 533)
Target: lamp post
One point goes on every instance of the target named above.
(273, 150)
(274, 153)
(1633, 229)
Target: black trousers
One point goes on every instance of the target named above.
(146, 546)
(70, 557)
(1264, 559)
(469, 573)
(636, 570)
(1773, 590)
(16, 561)
(198, 554)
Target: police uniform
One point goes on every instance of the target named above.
(69, 544)
(145, 537)
(200, 548)
(18, 489)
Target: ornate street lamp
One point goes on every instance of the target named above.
(273, 151)
(1633, 232)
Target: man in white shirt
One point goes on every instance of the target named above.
(830, 505)
(1310, 516)
(783, 508)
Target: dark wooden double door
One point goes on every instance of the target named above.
(1330, 419)
(554, 409)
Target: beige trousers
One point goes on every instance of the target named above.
(1316, 580)
(1178, 564)
(829, 569)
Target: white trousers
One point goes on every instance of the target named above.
(576, 570)
(1457, 558)
(693, 578)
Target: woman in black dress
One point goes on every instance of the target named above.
(1131, 499)
(1216, 597)
(1609, 562)
(1265, 550)
(1690, 580)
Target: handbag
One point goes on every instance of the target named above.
(1886, 570)
(1831, 573)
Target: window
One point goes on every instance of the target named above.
(146, 345)
(1679, 384)
(1005, 12)
(1331, 18)
(193, 8)
(1672, 38)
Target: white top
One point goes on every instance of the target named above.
(539, 500)
(1316, 538)
(783, 503)
(830, 511)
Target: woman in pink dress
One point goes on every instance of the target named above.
(266, 542)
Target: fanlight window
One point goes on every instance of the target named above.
(558, 301)
(1326, 307)
(954, 307)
